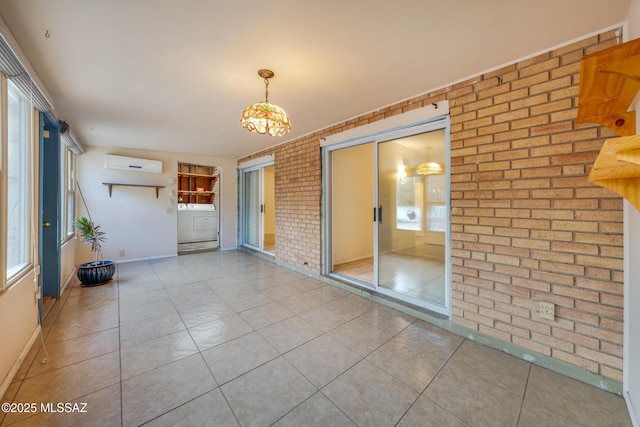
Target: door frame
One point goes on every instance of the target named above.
(49, 212)
(251, 166)
(382, 136)
(260, 218)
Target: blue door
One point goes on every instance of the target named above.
(49, 245)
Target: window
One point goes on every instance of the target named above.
(67, 182)
(408, 202)
(435, 191)
(19, 192)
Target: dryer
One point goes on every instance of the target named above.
(197, 223)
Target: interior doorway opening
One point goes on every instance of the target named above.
(198, 208)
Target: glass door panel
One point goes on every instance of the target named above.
(411, 220)
(253, 208)
(268, 210)
(352, 231)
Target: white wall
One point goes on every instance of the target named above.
(67, 262)
(19, 322)
(134, 220)
(352, 203)
(631, 370)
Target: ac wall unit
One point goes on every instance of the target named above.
(132, 164)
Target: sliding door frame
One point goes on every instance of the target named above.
(253, 166)
(431, 124)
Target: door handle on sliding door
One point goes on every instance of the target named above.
(377, 217)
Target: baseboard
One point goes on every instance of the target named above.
(69, 280)
(539, 359)
(542, 360)
(358, 258)
(16, 366)
(124, 261)
(631, 409)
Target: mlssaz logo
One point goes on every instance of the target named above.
(63, 407)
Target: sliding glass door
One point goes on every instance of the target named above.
(352, 235)
(253, 208)
(389, 222)
(258, 208)
(412, 217)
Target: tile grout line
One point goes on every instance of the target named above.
(524, 394)
(431, 381)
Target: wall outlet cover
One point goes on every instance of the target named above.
(547, 310)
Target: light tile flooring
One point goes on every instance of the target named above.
(269, 242)
(418, 272)
(227, 339)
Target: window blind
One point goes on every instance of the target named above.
(14, 65)
(70, 140)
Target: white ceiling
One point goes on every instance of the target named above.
(175, 76)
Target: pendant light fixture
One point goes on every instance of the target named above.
(263, 117)
(429, 168)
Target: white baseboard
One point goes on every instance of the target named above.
(123, 261)
(630, 408)
(16, 366)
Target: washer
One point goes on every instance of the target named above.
(197, 223)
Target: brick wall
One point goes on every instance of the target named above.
(298, 185)
(527, 226)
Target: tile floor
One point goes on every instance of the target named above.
(417, 272)
(227, 339)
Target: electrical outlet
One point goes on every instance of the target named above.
(547, 310)
(121, 252)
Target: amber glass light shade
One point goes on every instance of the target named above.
(429, 168)
(266, 118)
(263, 117)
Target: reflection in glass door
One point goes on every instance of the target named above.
(412, 217)
(389, 216)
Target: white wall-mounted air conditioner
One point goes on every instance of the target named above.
(132, 164)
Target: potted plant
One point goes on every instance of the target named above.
(99, 271)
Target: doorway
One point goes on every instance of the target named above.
(198, 208)
(388, 227)
(50, 201)
(258, 208)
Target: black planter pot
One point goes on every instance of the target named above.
(96, 273)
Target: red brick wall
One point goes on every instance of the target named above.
(527, 226)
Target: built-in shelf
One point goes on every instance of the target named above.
(618, 168)
(609, 82)
(196, 174)
(112, 184)
(196, 183)
(196, 192)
